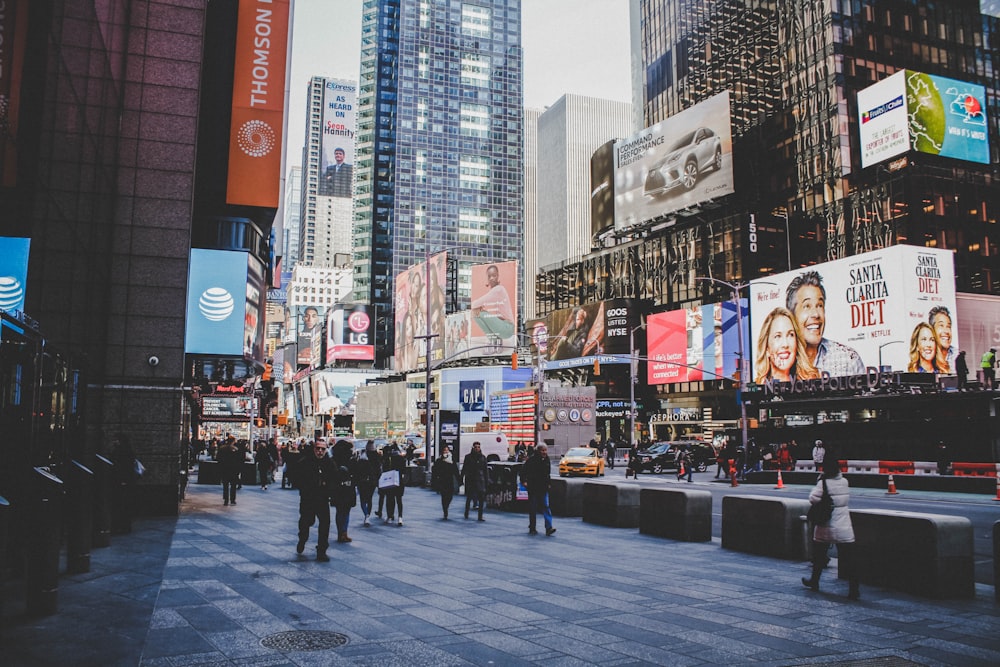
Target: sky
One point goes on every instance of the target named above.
(570, 46)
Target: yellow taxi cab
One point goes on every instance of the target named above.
(581, 461)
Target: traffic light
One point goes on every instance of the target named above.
(597, 366)
(258, 422)
(267, 372)
(513, 361)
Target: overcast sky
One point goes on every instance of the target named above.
(570, 46)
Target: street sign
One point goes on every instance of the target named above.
(422, 405)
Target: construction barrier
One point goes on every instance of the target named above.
(974, 469)
(895, 467)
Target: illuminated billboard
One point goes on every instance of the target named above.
(224, 304)
(337, 149)
(494, 304)
(922, 112)
(350, 333)
(893, 307)
(258, 108)
(602, 189)
(14, 254)
(310, 331)
(694, 344)
(411, 311)
(675, 164)
(578, 336)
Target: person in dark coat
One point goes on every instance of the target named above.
(262, 459)
(474, 476)
(394, 495)
(369, 469)
(537, 477)
(962, 370)
(445, 478)
(343, 494)
(230, 458)
(314, 477)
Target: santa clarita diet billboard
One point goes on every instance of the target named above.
(893, 307)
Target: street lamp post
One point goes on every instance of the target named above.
(736, 287)
(880, 352)
(633, 369)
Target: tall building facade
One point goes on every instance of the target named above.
(568, 134)
(530, 264)
(292, 218)
(325, 207)
(439, 144)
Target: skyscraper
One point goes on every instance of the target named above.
(439, 144)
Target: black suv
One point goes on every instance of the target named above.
(663, 456)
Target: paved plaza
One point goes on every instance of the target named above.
(224, 586)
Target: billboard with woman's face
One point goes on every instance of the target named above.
(893, 307)
(411, 312)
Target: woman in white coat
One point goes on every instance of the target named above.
(838, 531)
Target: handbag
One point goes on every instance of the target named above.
(389, 479)
(820, 513)
(140, 469)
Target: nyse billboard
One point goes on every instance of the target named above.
(925, 113)
(597, 331)
(675, 164)
(893, 307)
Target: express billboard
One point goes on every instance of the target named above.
(350, 333)
(693, 344)
(224, 304)
(337, 145)
(922, 112)
(411, 311)
(893, 307)
(675, 164)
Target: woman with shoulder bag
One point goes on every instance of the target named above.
(837, 530)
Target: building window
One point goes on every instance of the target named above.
(475, 70)
(474, 120)
(476, 20)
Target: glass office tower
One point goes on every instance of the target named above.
(439, 144)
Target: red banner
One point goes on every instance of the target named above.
(258, 103)
(13, 29)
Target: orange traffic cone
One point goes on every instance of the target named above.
(892, 487)
(998, 489)
(781, 484)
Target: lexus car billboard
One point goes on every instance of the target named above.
(675, 164)
(922, 112)
(693, 344)
(225, 304)
(893, 307)
(350, 333)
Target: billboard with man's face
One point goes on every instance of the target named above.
(339, 124)
(675, 164)
(922, 112)
(310, 328)
(893, 307)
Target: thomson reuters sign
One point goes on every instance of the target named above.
(258, 103)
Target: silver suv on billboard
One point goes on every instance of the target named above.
(691, 155)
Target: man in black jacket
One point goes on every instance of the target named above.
(475, 475)
(314, 477)
(536, 475)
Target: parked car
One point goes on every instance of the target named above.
(689, 156)
(663, 456)
(581, 461)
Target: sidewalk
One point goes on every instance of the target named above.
(207, 588)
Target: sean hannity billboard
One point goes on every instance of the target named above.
(893, 307)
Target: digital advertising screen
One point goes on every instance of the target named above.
(217, 306)
(694, 344)
(411, 312)
(14, 254)
(226, 407)
(494, 304)
(577, 336)
(310, 330)
(893, 308)
(925, 113)
(677, 163)
(350, 333)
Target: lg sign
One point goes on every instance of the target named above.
(358, 322)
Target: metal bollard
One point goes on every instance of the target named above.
(79, 517)
(103, 474)
(42, 569)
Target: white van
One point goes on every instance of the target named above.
(493, 442)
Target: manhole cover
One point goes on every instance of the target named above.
(304, 640)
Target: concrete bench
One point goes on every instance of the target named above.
(615, 505)
(929, 555)
(566, 497)
(678, 514)
(765, 526)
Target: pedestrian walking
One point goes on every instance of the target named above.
(262, 459)
(536, 474)
(962, 370)
(230, 460)
(369, 469)
(445, 479)
(314, 478)
(394, 495)
(684, 468)
(343, 494)
(838, 530)
(611, 450)
(818, 454)
(474, 476)
(633, 461)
